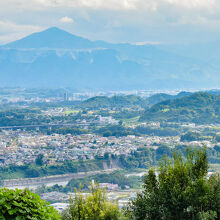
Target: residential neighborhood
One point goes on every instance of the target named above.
(22, 147)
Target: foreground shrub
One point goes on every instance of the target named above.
(92, 207)
(23, 204)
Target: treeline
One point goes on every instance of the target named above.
(131, 101)
(120, 130)
(116, 177)
(64, 131)
(18, 116)
(200, 136)
(33, 170)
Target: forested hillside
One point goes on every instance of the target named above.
(114, 102)
(197, 108)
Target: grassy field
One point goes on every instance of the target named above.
(131, 121)
(71, 112)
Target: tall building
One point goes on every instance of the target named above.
(66, 97)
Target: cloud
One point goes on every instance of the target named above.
(116, 5)
(114, 20)
(66, 20)
(92, 4)
(192, 4)
(112, 4)
(11, 31)
(6, 25)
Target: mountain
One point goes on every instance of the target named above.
(114, 102)
(154, 99)
(52, 38)
(56, 58)
(159, 97)
(196, 108)
(120, 101)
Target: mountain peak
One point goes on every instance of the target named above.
(54, 30)
(52, 38)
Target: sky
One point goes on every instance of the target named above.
(134, 21)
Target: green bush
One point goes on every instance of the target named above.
(92, 207)
(23, 204)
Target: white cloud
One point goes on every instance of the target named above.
(107, 19)
(6, 25)
(111, 4)
(123, 4)
(192, 4)
(66, 20)
(114, 5)
(89, 4)
(11, 31)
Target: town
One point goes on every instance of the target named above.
(18, 147)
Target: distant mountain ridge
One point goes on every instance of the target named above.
(185, 107)
(55, 58)
(120, 101)
(114, 102)
(154, 99)
(53, 38)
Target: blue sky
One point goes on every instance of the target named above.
(154, 21)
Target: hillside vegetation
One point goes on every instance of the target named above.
(197, 108)
(120, 101)
(179, 189)
(154, 99)
(114, 102)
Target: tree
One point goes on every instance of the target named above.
(1, 181)
(190, 136)
(23, 204)
(93, 207)
(181, 190)
(39, 160)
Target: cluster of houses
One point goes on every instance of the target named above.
(23, 147)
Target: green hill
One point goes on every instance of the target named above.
(159, 97)
(120, 101)
(154, 99)
(114, 102)
(198, 108)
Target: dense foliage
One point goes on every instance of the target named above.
(198, 108)
(180, 191)
(23, 204)
(33, 170)
(160, 97)
(114, 102)
(120, 101)
(93, 206)
(120, 131)
(192, 136)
